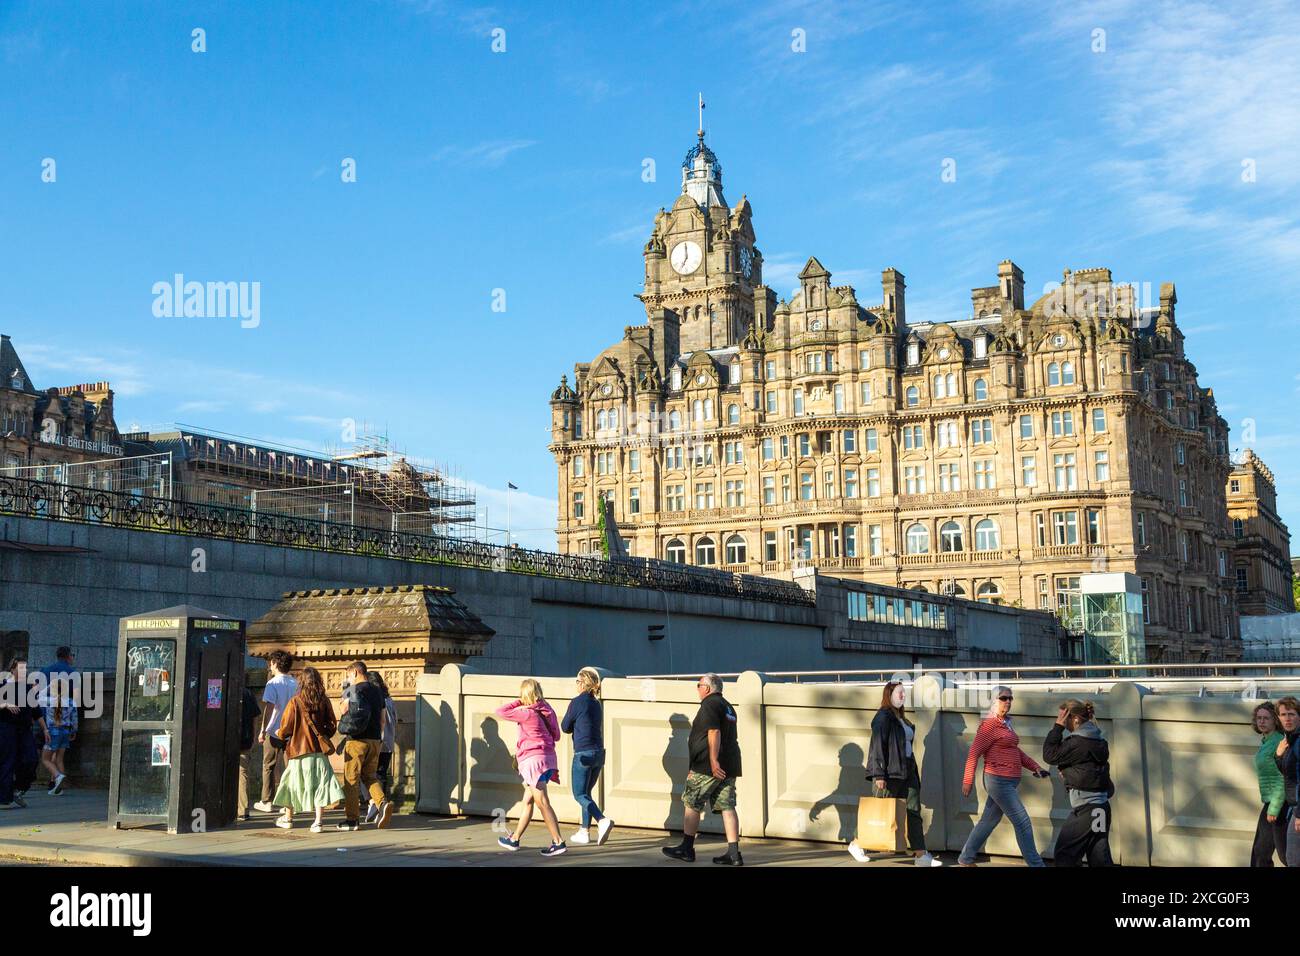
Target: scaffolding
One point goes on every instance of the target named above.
(419, 496)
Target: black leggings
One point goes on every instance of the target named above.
(1085, 835)
(909, 789)
(1270, 838)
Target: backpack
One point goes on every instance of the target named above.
(357, 719)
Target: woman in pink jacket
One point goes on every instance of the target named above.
(535, 756)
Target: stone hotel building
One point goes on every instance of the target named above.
(999, 456)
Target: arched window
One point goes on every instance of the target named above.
(613, 418)
(736, 550)
(705, 551)
(913, 396)
(600, 420)
(981, 390)
(938, 387)
(1053, 374)
(675, 420)
(1238, 527)
(950, 537)
(986, 535)
(697, 411)
(733, 414)
(708, 409)
(675, 551)
(918, 539)
(988, 593)
(1067, 373)
(952, 385)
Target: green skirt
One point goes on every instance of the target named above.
(308, 782)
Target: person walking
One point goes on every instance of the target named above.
(60, 713)
(387, 742)
(27, 721)
(249, 712)
(714, 750)
(279, 690)
(1284, 758)
(539, 732)
(1076, 747)
(999, 745)
(585, 721)
(308, 783)
(1270, 830)
(362, 724)
(892, 769)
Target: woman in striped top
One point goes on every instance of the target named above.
(999, 745)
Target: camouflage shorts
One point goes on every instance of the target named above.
(706, 792)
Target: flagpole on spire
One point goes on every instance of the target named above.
(701, 129)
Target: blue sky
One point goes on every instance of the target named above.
(522, 171)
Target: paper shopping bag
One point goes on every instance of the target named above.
(882, 824)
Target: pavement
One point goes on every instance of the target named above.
(70, 829)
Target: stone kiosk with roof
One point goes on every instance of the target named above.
(400, 631)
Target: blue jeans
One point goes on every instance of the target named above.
(586, 770)
(1003, 800)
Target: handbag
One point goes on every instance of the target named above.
(882, 824)
(324, 741)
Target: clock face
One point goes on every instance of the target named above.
(686, 257)
(943, 353)
(746, 262)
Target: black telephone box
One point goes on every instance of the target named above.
(180, 679)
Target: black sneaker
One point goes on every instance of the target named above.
(684, 853)
(728, 860)
(349, 825)
(555, 849)
(18, 799)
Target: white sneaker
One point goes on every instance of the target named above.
(284, 823)
(602, 830)
(264, 807)
(927, 859)
(580, 837)
(858, 853)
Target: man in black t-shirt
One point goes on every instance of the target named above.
(715, 765)
(361, 726)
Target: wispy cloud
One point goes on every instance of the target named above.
(1202, 97)
(173, 377)
(489, 154)
(478, 21)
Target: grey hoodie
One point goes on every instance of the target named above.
(1081, 798)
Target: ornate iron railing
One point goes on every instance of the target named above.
(40, 499)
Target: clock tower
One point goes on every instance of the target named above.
(701, 263)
